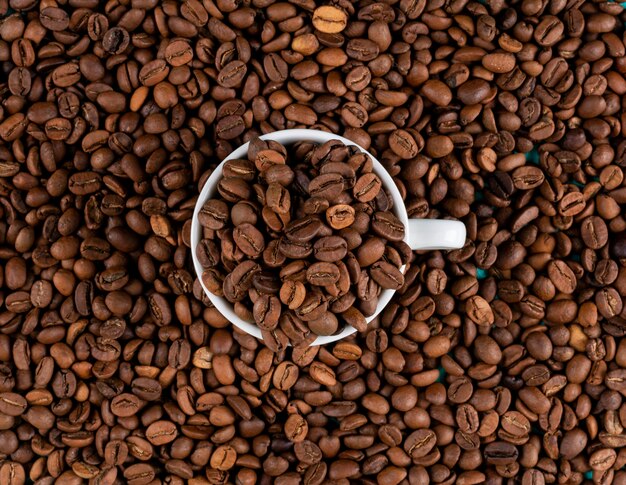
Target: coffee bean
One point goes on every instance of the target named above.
(292, 294)
(275, 67)
(329, 19)
(387, 275)
(387, 226)
(304, 229)
(12, 473)
(322, 274)
(340, 216)
(223, 458)
(12, 404)
(266, 312)
(249, 240)
(327, 186)
(367, 187)
(330, 249)
(296, 428)
(126, 405)
(403, 144)
(161, 432)
(527, 177)
(594, 232)
(419, 443)
(562, 276)
(285, 376)
(325, 324)
(115, 40)
(501, 453)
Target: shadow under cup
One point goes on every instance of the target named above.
(290, 137)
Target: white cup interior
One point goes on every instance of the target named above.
(289, 137)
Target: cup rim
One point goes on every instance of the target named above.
(289, 137)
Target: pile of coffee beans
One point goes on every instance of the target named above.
(501, 362)
(279, 229)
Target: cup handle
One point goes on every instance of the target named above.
(435, 234)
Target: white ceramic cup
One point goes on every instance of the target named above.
(420, 234)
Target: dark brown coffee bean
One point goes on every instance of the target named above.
(327, 186)
(294, 249)
(115, 40)
(479, 311)
(126, 405)
(12, 404)
(292, 294)
(403, 144)
(249, 239)
(387, 275)
(340, 216)
(146, 388)
(501, 453)
(266, 312)
(562, 276)
(419, 443)
(330, 249)
(296, 428)
(322, 274)
(313, 306)
(528, 177)
(214, 214)
(367, 187)
(275, 67)
(326, 324)
(303, 230)
(594, 232)
(12, 473)
(387, 226)
(237, 283)
(161, 432)
(609, 302)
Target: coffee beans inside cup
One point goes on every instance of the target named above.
(502, 362)
(301, 239)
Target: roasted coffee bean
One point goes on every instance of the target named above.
(562, 276)
(266, 312)
(330, 249)
(367, 187)
(340, 216)
(213, 214)
(303, 230)
(322, 274)
(388, 226)
(313, 306)
(387, 275)
(403, 144)
(327, 186)
(326, 324)
(329, 19)
(249, 239)
(501, 453)
(161, 432)
(419, 443)
(296, 428)
(12, 404)
(292, 293)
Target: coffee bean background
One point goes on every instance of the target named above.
(501, 362)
